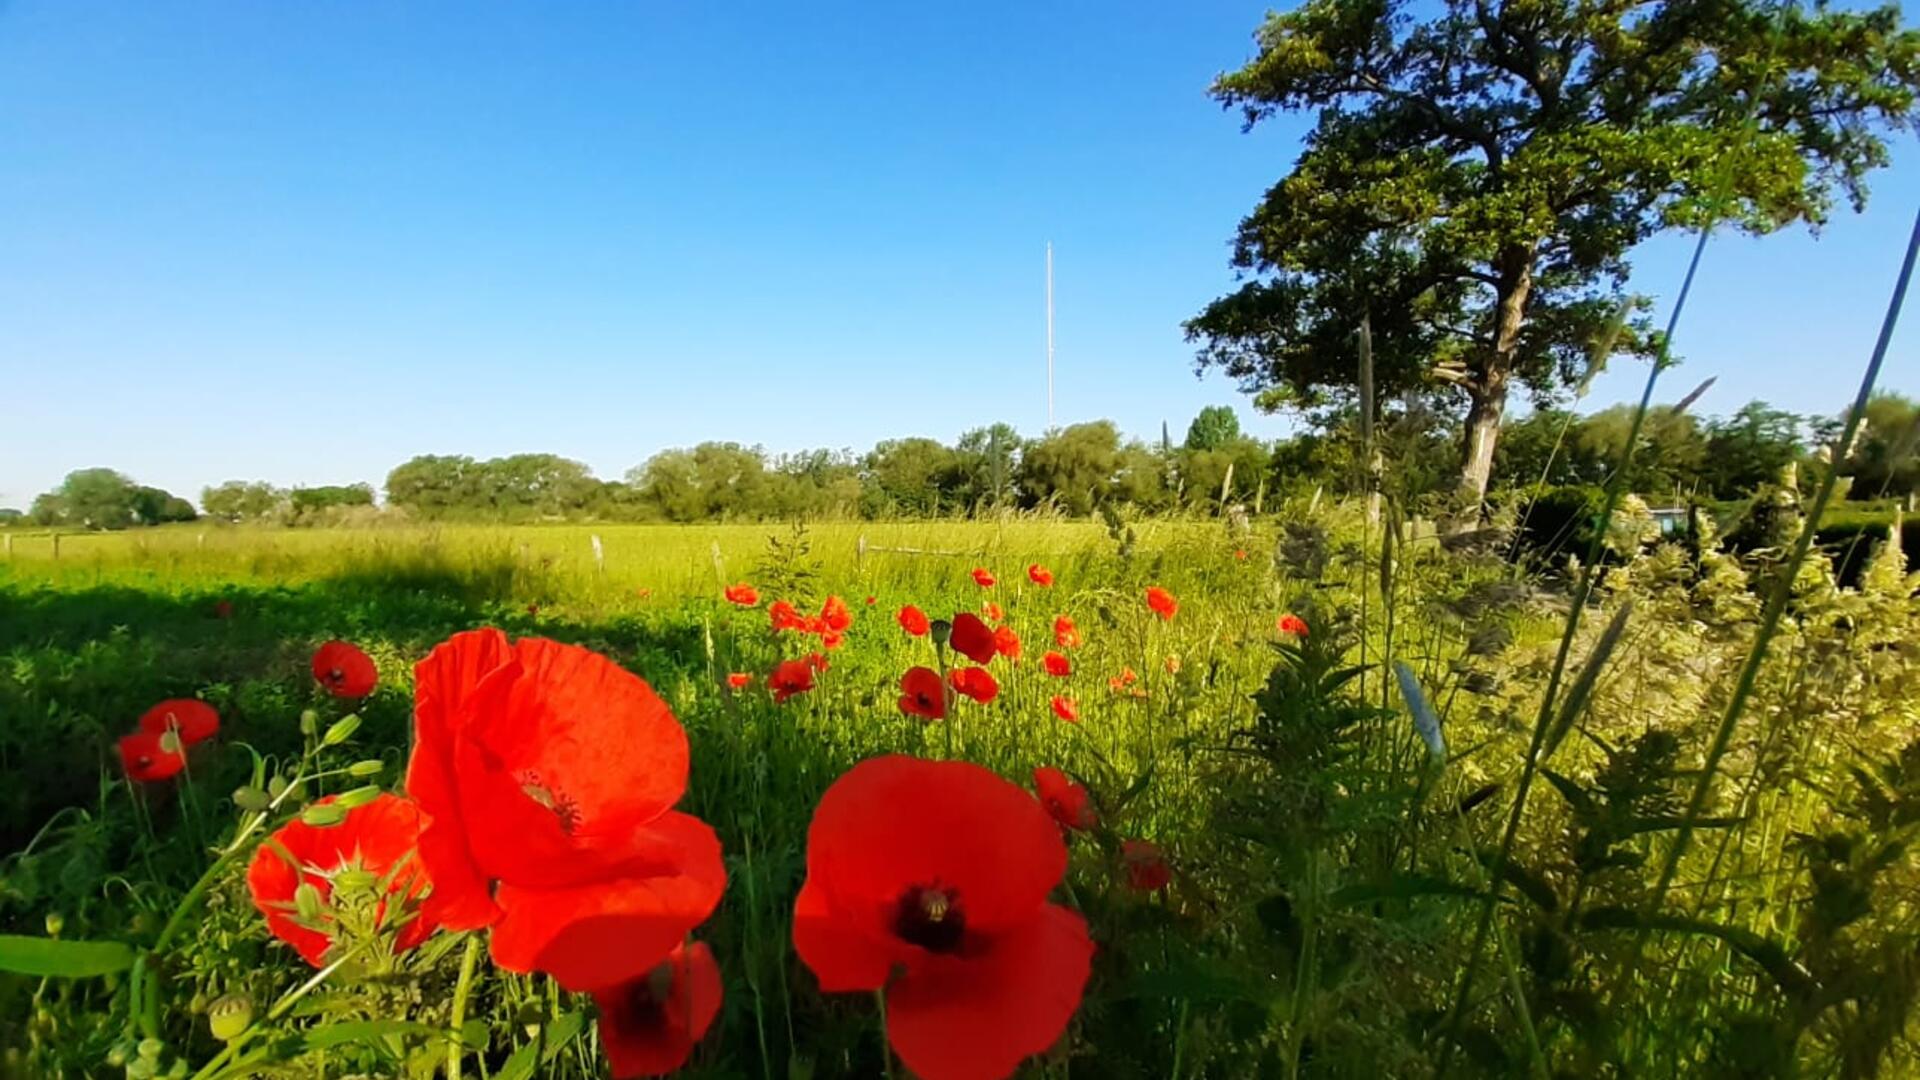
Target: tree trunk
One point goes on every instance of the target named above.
(1487, 388)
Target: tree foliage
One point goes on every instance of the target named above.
(1480, 170)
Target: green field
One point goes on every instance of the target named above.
(1329, 873)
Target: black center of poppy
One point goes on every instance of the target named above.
(336, 675)
(930, 916)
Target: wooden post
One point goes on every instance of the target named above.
(1259, 495)
(1226, 485)
(860, 553)
(56, 545)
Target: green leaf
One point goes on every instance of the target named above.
(550, 1042)
(1575, 795)
(360, 1031)
(48, 957)
(1765, 953)
(1404, 887)
(1582, 687)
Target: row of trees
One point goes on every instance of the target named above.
(1076, 468)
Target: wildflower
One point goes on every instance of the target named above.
(1039, 575)
(913, 621)
(816, 661)
(1162, 602)
(975, 682)
(1056, 663)
(790, 677)
(940, 871)
(993, 612)
(1006, 642)
(549, 774)
(148, 757)
(1066, 708)
(983, 577)
(743, 594)
(191, 719)
(971, 638)
(1173, 665)
(922, 694)
(223, 609)
(649, 1026)
(1066, 801)
(739, 680)
(1292, 624)
(783, 616)
(1240, 554)
(835, 615)
(1065, 633)
(373, 841)
(832, 639)
(1145, 864)
(344, 670)
(869, 601)
(533, 610)
(1123, 683)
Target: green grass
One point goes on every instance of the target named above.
(1327, 873)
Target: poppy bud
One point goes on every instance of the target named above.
(56, 922)
(140, 1068)
(324, 815)
(251, 798)
(366, 768)
(356, 879)
(117, 1056)
(309, 722)
(276, 786)
(942, 630)
(151, 1049)
(170, 742)
(230, 1016)
(306, 901)
(358, 797)
(342, 730)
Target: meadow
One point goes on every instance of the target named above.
(1360, 801)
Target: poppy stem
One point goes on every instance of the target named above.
(886, 1048)
(460, 991)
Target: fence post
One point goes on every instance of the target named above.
(860, 553)
(56, 545)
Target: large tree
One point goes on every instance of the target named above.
(1480, 170)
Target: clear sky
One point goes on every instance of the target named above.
(304, 242)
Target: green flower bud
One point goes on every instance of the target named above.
(151, 1049)
(309, 722)
(140, 1069)
(342, 729)
(354, 880)
(324, 815)
(250, 798)
(358, 797)
(276, 786)
(942, 630)
(230, 1015)
(170, 742)
(117, 1056)
(306, 901)
(56, 922)
(366, 768)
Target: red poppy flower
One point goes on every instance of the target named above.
(1162, 602)
(643, 592)
(1006, 642)
(940, 870)
(223, 609)
(344, 670)
(833, 639)
(1173, 665)
(983, 577)
(375, 839)
(790, 677)
(813, 624)
(816, 661)
(1145, 864)
(1123, 683)
(743, 594)
(975, 682)
(993, 612)
(1039, 575)
(1066, 708)
(533, 609)
(1240, 554)
(784, 616)
(649, 1026)
(191, 719)
(922, 694)
(148, 757)
(548, 774)
(739, 680)
(1057, 663)
(1293, 624)
(1065, 800)
(914, 621)
(1065, 634)
(835, 614)
(869, 601)
(971, 638)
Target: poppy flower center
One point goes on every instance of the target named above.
(553, 799)
(336, 676)
(930, 916)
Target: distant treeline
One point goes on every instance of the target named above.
(1074, 469)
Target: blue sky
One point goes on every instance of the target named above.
(303, 243)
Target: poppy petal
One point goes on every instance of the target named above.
(659, 1036)
(194, 720)
(146, 760)
(981, 1017)
(894, 821)
(592, 936)
(839, 956)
